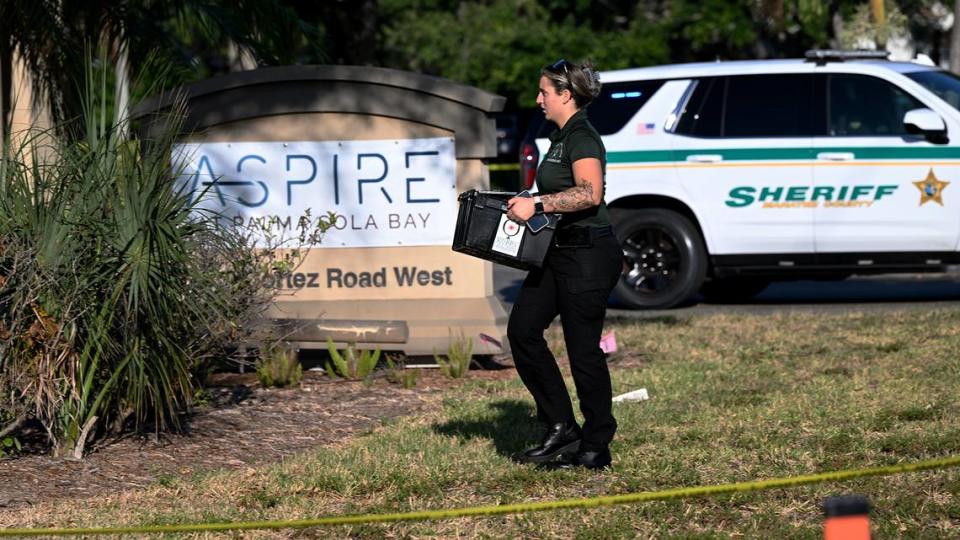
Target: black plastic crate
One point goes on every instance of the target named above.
(484, 231)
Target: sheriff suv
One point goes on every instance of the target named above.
(722, 177)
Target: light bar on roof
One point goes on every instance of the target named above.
(839, 55)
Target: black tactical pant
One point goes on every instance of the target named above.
(575, 282)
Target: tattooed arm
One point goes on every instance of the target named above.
(586, 193)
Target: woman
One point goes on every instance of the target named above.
(575, 281)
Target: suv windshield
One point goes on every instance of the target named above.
(944, 84)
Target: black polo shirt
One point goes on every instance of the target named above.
(577, 140)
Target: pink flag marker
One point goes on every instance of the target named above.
(608, 343)
(491, 340)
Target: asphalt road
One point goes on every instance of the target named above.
(858, 293)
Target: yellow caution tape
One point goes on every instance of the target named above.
(504, 166)
(680, 493)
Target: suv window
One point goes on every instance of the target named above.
(769, 106)
(618, 102)
(702, 116)
(860, 105)
(750, 106)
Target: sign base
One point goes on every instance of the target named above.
(430, 324)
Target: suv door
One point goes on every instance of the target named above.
(878, 188)
(742, 152)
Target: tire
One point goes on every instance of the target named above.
(665, 262)
(723, 291)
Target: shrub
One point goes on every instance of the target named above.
(397, 373)
(279, 366)
(457, 362)
(9, 446)
(351, 363)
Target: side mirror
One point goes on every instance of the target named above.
(927, 123)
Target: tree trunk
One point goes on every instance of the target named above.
(122, 74)
(955, 39)
(6, 88)
(239, 57)
(880, 21)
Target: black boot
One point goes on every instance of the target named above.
(593, 459)
(560, 439)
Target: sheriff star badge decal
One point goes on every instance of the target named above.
(931, 189)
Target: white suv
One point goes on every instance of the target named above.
(722, 177)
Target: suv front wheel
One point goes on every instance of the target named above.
(664, 263)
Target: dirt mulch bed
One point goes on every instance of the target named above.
(243, 425)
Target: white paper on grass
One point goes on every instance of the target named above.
(636, 395)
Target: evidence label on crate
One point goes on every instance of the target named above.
(376, 193)
(508, 238)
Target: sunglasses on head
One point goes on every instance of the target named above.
(560, 66)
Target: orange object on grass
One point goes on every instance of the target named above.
(847, 518)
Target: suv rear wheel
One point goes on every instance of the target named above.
(664, 259)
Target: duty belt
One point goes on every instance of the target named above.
(580, 236)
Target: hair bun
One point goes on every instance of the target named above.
(592, 82)
(581, 80)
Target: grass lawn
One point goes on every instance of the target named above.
(733, 398)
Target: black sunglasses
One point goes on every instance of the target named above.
(561, 66)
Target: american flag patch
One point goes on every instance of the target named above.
(644, 128)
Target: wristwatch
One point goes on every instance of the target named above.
(538, 205)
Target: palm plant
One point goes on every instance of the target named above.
(113, 292)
